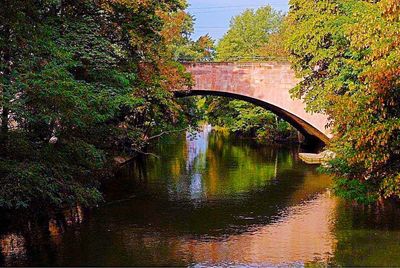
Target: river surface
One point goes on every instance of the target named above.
(211, 199)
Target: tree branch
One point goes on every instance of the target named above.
(166, 132)
(144, 153)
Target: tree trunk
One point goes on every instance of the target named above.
(4, 117)
(4, 121)
(4, 97)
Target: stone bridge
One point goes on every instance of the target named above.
(265, 84)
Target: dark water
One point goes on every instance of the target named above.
(213, 200)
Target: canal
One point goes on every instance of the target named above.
(210, 199)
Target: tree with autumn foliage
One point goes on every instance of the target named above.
(201, 50)
(349, 55)
(81, 81)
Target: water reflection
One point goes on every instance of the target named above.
(212, 199)
(303, 234)
(214, 168)
(13, 248)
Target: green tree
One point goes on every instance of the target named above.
(249, 32)
(246, 119)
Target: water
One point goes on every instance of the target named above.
(212, 200)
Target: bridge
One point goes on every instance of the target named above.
(266, 84)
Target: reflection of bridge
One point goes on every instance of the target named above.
(265, 84)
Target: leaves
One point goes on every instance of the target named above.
(248, 33)
(80, 81)
(349, 57)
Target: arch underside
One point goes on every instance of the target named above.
(311, 133)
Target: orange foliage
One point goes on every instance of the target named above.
(173, 24)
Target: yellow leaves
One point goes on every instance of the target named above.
(391, 9)
(275, 47)
(390, 186)
(205, 42)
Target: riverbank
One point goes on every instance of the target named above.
(294, 139)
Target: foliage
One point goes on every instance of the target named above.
(248, 33)
(254, 35)
(80, 80)
(349, 55)
(246, 119)
(200, 50)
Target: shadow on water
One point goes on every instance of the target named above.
(210, 199)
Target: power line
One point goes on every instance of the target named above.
(219, 7)
(211, 27)
(214, 11)
(218, 11)
(230, 6)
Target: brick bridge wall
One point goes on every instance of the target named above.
(266, 84)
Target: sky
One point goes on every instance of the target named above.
(213, 16)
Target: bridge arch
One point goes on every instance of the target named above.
(263, 84)
(311, 133)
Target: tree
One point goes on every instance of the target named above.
(348, 54)
(249, 32)
(246, 119)
(81, 80)
(200, 50)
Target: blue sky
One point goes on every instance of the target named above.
(213, 16)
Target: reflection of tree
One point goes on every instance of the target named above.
(303, 234)
(242, 176)
(2, 259)
(238, 167)
(33, 241)
(224, 182)
(230, 188)
(13, 248)
(222, 168)
(197, 145)
(367, 235)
